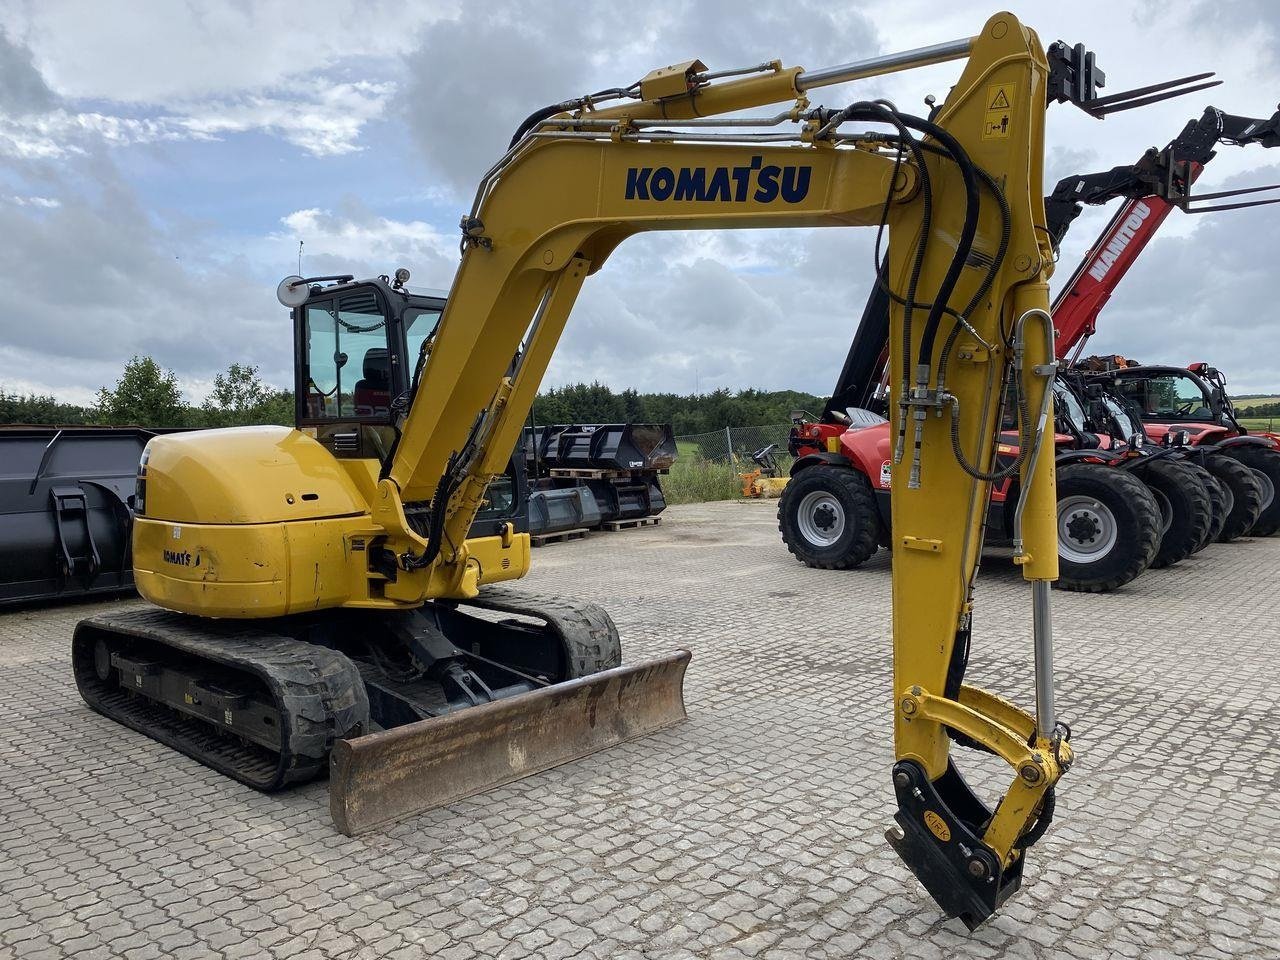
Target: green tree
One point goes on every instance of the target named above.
(240, 398)
(700, 413)
(144, 395)
(39, 408)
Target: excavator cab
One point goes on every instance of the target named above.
(352, 364)
(360, 348)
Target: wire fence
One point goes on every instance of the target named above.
(733, 445)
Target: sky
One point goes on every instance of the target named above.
(160, 160)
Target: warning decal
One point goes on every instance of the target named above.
(998, 116)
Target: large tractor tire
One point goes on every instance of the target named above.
(1186, 512)
(828, 517)
(1265, 464)
(1108, 527)
(1246, 494)
(1220, 502)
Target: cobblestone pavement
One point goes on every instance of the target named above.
(755, 829)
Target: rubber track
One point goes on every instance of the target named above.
(585, 629)
(317, 691)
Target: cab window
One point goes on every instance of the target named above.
(420, 325)
(348, 365)
(1170, 397)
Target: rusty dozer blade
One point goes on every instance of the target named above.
(383, 777)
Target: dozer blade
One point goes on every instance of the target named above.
(384, 777)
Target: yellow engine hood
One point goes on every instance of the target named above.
(246, 475)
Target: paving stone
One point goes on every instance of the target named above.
(753, 830)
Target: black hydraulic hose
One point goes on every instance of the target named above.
(967, 232)
(535, 118)
(875, 110)
(968, 173)
(1024, 447)
(538, 116)
(1006, 232)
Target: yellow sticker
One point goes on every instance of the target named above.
(999, 113)
(936, 824)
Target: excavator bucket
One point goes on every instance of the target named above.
(383, 777)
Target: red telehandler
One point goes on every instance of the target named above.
(1188, 406)
(836, 515)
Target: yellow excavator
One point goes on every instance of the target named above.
(333, 596)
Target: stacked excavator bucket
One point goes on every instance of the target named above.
(64, 510)
(583, 475)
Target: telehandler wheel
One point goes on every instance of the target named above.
(1265, 464)
(1108, 527)
(1178, 489)
(828, 517)
(1246, 494)
(1219, 501)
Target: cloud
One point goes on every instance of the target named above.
(355, 240)
(322, 118)
(323, 121)
(175, 249)
(22, 88)
(94, 278)
(1206, 295)
(296, 98)
(474, 77)
(158, 52)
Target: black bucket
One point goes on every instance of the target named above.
(65, 516)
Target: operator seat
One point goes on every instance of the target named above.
(372, 394)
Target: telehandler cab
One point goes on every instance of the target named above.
(311, 584)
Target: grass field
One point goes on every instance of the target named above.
(694, 480)
(1260, 423)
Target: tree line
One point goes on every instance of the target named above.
(147, 395)
(689, 413)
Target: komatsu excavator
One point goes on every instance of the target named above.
(311, 585)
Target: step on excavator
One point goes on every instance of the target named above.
(333, 596)
(1110, 528)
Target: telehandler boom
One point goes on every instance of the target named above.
(336, 558)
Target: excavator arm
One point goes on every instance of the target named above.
(968, 264)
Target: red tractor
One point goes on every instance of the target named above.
(1189, 406)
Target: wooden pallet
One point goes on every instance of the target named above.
(616, 525)
(588, 473)
(562, 536)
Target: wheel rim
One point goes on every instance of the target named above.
(821, 518)
(1166, 509)
(1268, 488)
(1087, 529)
